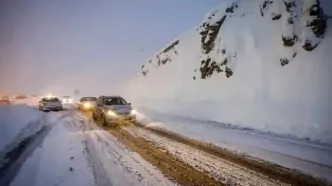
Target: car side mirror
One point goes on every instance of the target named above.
(129, 103)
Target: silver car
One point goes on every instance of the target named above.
(113, 109)
(50, 104)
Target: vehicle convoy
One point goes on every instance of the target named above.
(113, 109)
(50, 104)
(86, 103)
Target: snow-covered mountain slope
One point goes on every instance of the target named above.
(262, 64)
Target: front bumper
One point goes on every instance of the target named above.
(87, 107)
(119, 118)
(52, 108)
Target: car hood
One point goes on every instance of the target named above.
(120, 108)
(52, 103)
(91, 102)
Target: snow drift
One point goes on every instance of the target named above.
(260, 64)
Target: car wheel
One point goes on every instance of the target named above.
(94, 117)
(104, 121)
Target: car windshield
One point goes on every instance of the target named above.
(50, 100)
(88, 99)
(115, 101)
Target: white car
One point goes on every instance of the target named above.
(67, 99)
(86, 103)
(50, 104)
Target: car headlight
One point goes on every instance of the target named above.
(70, 100)
(111, 113)
(133, 112)
(87, 105)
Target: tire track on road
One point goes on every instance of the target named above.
(109, 157)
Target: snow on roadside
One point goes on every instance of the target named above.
(58, 161)
(14, 118)
(221, 170)
(312, 158)
(30, 101)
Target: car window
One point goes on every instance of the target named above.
(50, 100)
(99, 101)
(88, 99)
(115, 101)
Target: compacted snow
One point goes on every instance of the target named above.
(71, 150)
(258, 64)
(310, 157)
(222, 170)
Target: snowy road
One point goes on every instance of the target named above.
(68, 148)
(77, 152)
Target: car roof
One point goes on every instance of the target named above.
(112, 96)
(46, 98)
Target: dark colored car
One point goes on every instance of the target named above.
(113, 109)
(21, 97)
(87, 103)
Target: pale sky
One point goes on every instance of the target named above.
(92, 45)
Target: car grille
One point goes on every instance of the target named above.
(123, 113)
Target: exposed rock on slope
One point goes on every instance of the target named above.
(261, 63)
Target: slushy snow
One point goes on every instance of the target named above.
(304, 155)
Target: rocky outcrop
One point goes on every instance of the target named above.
(303, 24)
(162, 58)
(209, 34)
(264, 6)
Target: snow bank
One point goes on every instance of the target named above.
(258, 64)
(13, 118)
(30, 101)
(59, 160)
